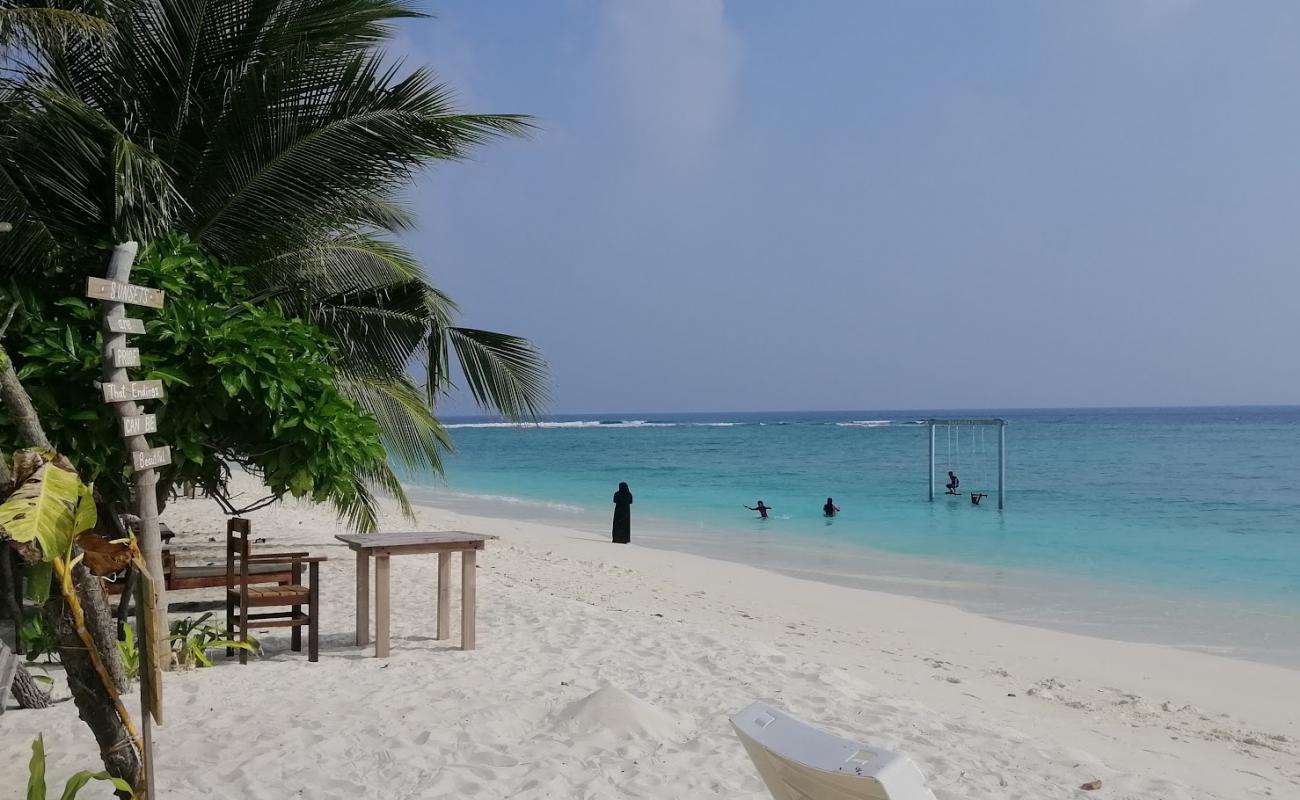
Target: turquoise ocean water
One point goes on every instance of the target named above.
(1197, 508)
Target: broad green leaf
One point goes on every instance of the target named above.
(79, 780)
(86, 516)
(41, 515)
(40, 577)
(36, 770)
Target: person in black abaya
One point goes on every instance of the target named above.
(623, 515)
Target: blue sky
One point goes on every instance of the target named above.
(837, 205)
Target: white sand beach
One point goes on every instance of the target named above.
(609, 671)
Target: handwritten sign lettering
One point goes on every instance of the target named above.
(101, 289)
(139, 426)
(148, 459)
(124, 325)
(135, 390)
(126, 357)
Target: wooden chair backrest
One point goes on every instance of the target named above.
(238, 532)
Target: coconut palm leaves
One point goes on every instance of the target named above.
(277, 135)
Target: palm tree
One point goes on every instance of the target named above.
(278, 135)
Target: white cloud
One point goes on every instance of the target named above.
(672, 68)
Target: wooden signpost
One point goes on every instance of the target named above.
(123, 393)
(121, 292)
(139, 426)
(130, 390)
(126, 357)
(153, 457)
(124, 325)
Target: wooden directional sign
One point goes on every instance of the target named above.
(134, 390)
(148, 459)
(126, 357)
(139, 426)
(124, 325)
(101, 289)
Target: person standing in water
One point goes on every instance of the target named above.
(830, 509)
(761, 509)
(623, 515)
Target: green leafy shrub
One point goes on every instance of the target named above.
(193, 638)
(36, 777)
(245, 383)
(39, 640)
(129, 650)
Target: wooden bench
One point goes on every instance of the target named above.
(211, 576)
(205, 577)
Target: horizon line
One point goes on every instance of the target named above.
(638, 414)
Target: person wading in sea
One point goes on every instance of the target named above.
(623, 515)
(761, 509)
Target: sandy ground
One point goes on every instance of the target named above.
(608, 671)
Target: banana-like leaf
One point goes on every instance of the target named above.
(36, 770)
(43, 515)
(36, 789)
(40, 577)
(74, 784)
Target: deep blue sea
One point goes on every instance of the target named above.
(1201, 503)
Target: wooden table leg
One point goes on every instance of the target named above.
(363, 598)
(381, 605)
(444, 595)
(468, 578)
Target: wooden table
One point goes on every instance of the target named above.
(384, 545)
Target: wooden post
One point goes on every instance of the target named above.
(1002, 465)
(363, 598)
(122, 393)
(444, 595)
(150, 677)
(468, 581)
(931, 462)
(381, 605)
(146, 479)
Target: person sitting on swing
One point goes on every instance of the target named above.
(953, 483)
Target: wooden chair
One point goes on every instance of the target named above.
(242, 595)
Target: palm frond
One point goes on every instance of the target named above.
(358, 509)
(410, 430)
(35, 27)
(343, 262)
(344, 136)
(502, 372)
(79, 174)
